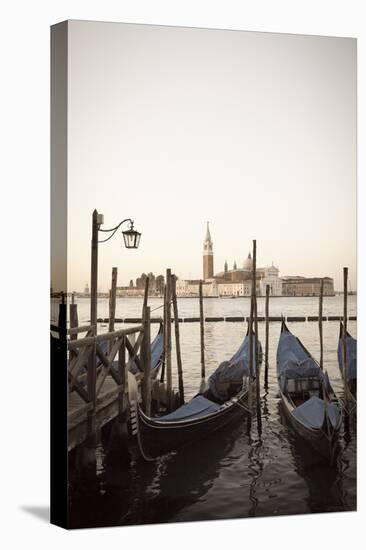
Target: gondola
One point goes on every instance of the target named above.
(351, 360)
(308, 399)
(223, 400)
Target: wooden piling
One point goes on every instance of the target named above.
(91, 382)
(321, 322)
(344, 337)
(168, 338)
(94, 272)
(74, 322)
(162, 375)
(117, 449)
(62, 315)
(251, 367)
(122, 376)
(146, 293)
(257, 370)
(146, 363)
(266, 367)
(177, 341)
(202, 340)
(112, 300)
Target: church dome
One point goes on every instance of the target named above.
(248, 263)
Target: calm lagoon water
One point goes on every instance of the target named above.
(232, 474)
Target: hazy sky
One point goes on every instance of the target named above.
(174, 126)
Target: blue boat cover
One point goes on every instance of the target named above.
(157, 346)
(198, 406)
(218, 384)
(351, 357)
(293, 361)
(232, 371)
(311, 413)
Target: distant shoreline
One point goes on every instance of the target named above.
(214, 297)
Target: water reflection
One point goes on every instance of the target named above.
(190, 474)
(324, 482)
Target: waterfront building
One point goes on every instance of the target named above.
(129, 291)
(238, 280)
(190, 288)
(235, 289)
(271, 277)
(307, 286)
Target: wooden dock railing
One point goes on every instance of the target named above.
(98, 376)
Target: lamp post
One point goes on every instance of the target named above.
(131, 239)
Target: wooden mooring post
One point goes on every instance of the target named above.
(202, 339)
(74, 321)
(94, 273)
(146, 293)
(251, 368)
(112, 300)
(321, 322)
(168, 338)
(118, 451)
(162, 375)
(86, 457)
(146, 362)
(123, 377)
(177, 341)
(266, 365)
(257, 369)
(344, 338)
(62, 317)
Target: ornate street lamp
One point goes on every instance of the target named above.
(131, 239)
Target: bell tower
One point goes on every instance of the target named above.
(208, 267)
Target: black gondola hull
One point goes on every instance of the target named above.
(325, 439)
(158, 438)
(321, 441)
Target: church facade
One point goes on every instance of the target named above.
(233, 282)
(229, 279)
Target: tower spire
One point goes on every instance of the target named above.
(208, 269)
(208, 234)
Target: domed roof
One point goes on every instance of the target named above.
(248, 263)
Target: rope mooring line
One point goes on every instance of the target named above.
(155, 308)
(143, 454)
(246, 409)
